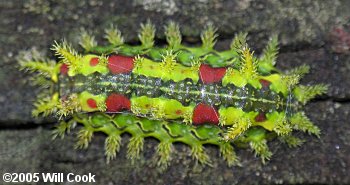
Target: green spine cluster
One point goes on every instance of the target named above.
(236, 126)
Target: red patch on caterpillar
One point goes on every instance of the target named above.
(178, 112)
(64, 69)
(204, 113)
(91, 103)
(117, 102)
(210, 75)
(264, 83)
(94, 61)
(261, 117)
(120, 64)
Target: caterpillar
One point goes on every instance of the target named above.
(176, 93)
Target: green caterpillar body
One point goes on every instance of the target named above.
(195, 96)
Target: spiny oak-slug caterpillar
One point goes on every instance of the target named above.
(192, 95)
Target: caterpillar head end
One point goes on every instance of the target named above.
(45, 75)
